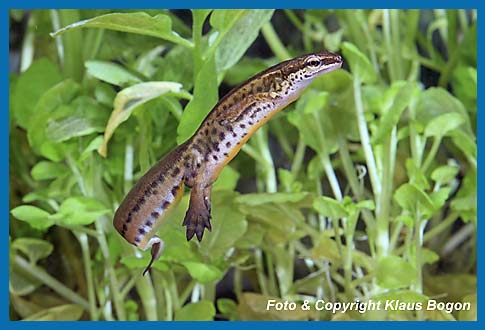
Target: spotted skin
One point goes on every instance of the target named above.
(197, 162)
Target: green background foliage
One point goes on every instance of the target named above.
(365, 188)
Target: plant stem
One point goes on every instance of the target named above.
(261, 136)
(160, 294)
(298, 157)
(41, 275)
(365, 139)
(144, 288)
(83, 241)
(258, 261)
(274, 42)
(440, 227)
(382, 235)
(432, 153)
(349, 170)
(295, 20)
(331, 176)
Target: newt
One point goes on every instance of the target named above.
(197, 162)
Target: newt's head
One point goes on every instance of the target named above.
(316, 64)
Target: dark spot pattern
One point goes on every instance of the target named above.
(197, 148)
(141, 230)
(155, 214)
(176, 171)
(175, 189)
(165, 205)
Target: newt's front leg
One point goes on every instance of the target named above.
(198, 215)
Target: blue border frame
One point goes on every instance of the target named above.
(4, 179)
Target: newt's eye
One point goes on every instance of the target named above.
(313, 62)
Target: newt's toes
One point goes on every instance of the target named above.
(196, 223)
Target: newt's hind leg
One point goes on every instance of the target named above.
(198, 215)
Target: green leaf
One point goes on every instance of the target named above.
(338, 116)
(169, 68)
(464, 83)
(82, 117)
(36, 217)
(255, 199)
(237, 37)
(68, 312)
(205, 97)
(128, 100)
(227, 179)
(406, 220)
(416, 175)
(21, 284)
(226, 306)
(326, 249)
(80, 211)
(408, 196)
(45, 170)
(288, 181)
(391, 117)
(34, 82)
(329, 207)
(309, 119)
(94, 145)
(200, 311)
(442, 125)
(444, 174)
(52, 101)
(439, 197)
(427, 256)
(133, 262)
(360, 66)
(228, 225)
(159, 26)
(203, 272)
(224, 19)
(393, 272)
(111, 73)
(104, 94)
(278, 220)
(465, 201)
(35, 249)
(435, 102)
(466, 143)
(252, 237)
